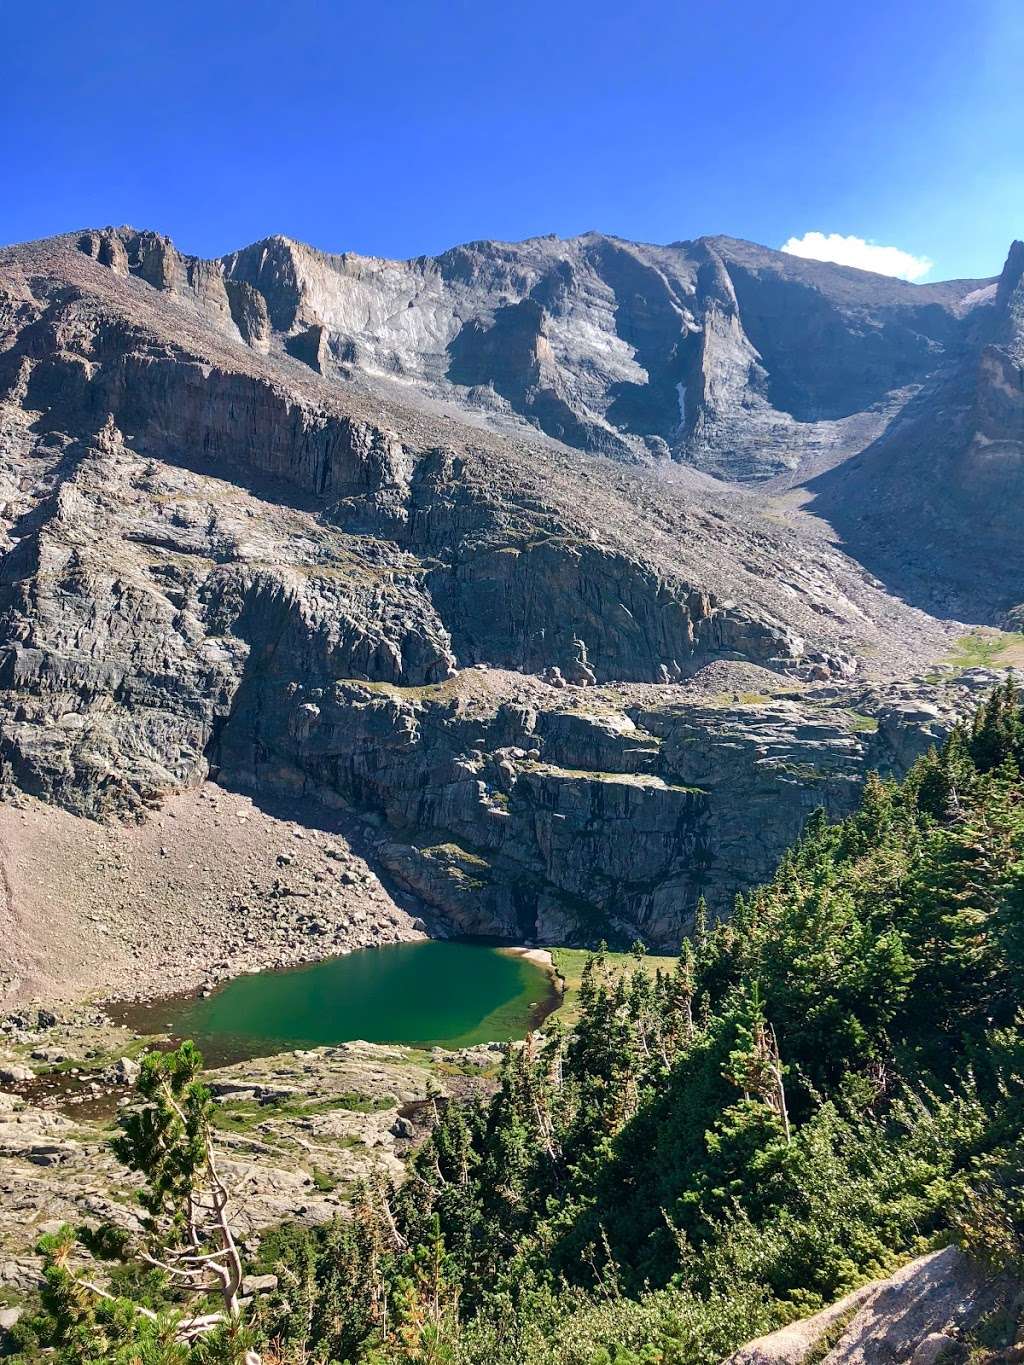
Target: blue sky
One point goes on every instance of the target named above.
(397, 128)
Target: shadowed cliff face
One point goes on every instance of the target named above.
(934, 505)
(290, 518)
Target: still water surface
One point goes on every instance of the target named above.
(420, 994)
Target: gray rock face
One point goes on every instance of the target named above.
(922, 1314)
(742, 361)
(9, 1318)
(739, 359)
(520, 809)
(716, 351)
(233, 543)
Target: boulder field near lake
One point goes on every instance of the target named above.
(530, 592)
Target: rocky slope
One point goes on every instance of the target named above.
(295, 1133)
(282, 520)
(211, 886)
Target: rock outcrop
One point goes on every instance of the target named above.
(561, 815)
(925, 1313)
(295, 1162)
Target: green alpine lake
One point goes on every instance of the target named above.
(423, 994)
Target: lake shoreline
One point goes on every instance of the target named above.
(542, 957)
(118, 1005)
(182, 1013)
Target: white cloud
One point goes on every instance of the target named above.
(883, 260)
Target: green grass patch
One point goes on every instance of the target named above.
(863, 725)
(88, 1067)
(457, 854)
(244, 1115)
(649, 781)
(426, 692)
(988, 648)
(740, 699)
(804, 772)
(363, 1104)
(569, 964)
